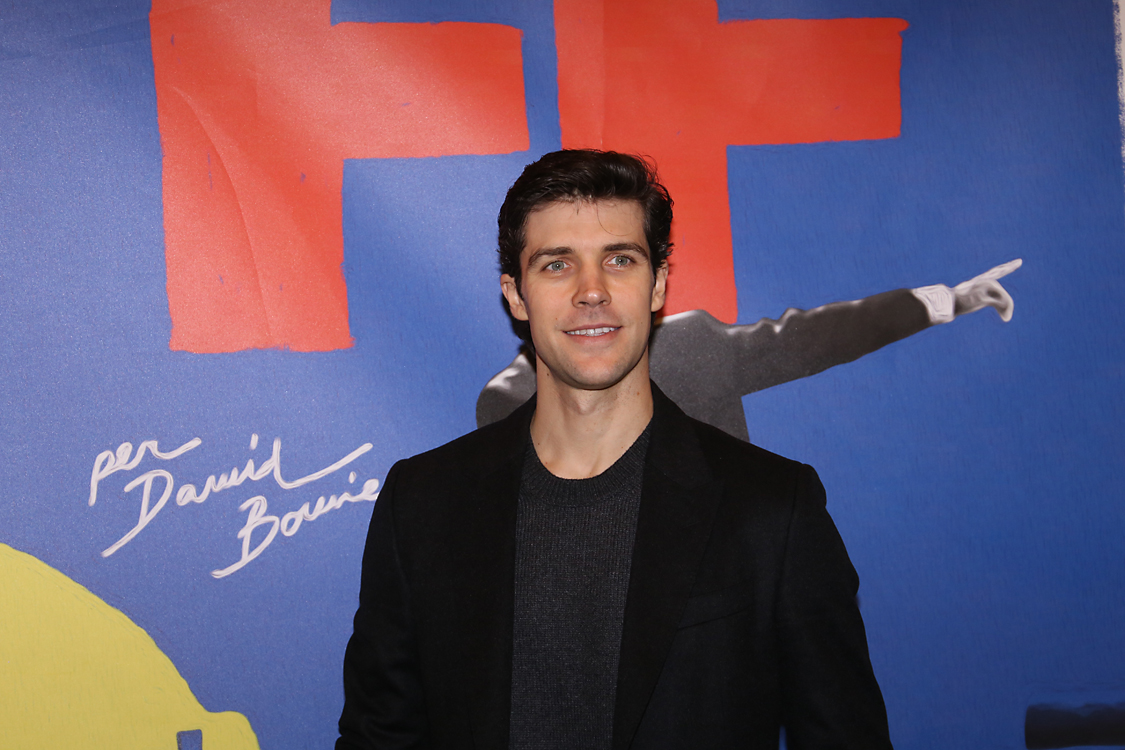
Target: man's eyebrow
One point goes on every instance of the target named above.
(548, 252)
(620, 247)
(562, 251)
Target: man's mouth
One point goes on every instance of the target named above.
(601, 331)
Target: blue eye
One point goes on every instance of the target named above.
(621, 260)
(556, 265)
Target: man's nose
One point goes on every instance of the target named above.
(592, 289)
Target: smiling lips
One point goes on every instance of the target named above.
(592, 331)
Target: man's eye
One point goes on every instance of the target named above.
(621, 260)
(555, 265)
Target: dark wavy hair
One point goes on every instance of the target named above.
(584, 175)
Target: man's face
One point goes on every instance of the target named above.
(588, 291)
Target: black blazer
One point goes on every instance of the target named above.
(741, 613)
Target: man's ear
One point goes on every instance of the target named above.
(660, 288)
(511, 292)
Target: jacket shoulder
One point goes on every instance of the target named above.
(718, 443)
(744, 466)
(474, 454)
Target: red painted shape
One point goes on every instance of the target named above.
(664, 78)
(259, 103)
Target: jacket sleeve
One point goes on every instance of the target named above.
(384, 705)
(805, 342)
(830, 696)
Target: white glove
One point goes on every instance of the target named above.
(985, 291)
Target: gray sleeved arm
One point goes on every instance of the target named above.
(707, 366)
(805, 342)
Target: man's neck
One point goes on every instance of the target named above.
(579, 434)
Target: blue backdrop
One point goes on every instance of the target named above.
(974, 470)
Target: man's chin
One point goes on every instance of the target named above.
(592, 379)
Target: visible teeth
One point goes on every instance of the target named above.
(591, 331)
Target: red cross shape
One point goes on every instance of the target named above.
(259, 103)
(664, 78)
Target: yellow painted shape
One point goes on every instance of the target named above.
(77, 673)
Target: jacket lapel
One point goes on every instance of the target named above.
(487, 600)
(678, 504)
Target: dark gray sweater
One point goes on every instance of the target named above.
(574, 547)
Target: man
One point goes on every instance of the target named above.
(599, 570)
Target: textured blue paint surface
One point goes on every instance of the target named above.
(974, 470)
